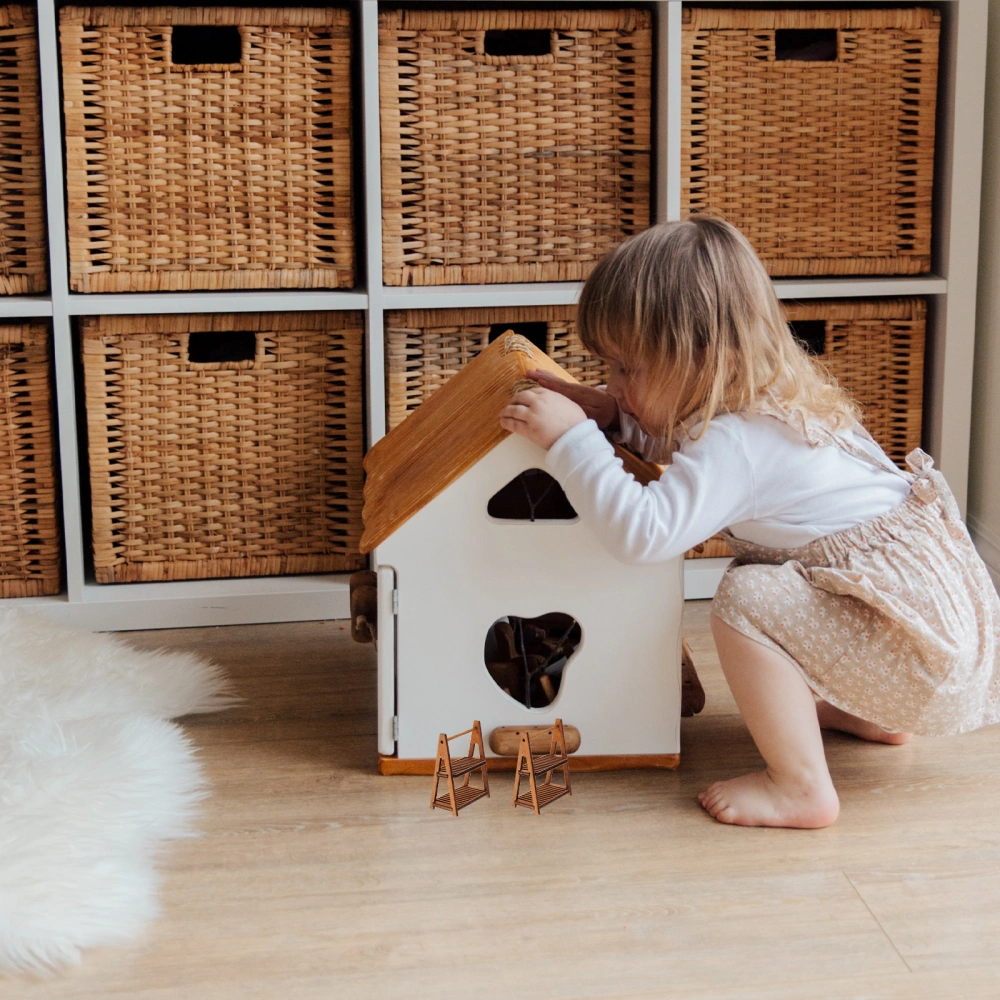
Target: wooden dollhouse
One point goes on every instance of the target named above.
(449, 570)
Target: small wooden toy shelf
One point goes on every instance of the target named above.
(459, 796)
(532, 767)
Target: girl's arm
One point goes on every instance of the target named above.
(707, 487)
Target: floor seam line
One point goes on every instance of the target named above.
(864, 902)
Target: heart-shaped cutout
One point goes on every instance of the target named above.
(527, 657)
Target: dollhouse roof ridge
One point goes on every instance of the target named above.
(451, 432)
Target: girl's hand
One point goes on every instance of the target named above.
(596, 403)
(541, 416)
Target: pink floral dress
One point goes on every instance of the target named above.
(895, 621)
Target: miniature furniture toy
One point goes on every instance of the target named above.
(364, 606)
(445, 767)
(534, 767)
(449, 571)
(692, 693)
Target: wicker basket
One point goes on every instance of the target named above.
(224, 445)
(29, 519)
(22, 214)
(813, 132)
(515, 143)
(425, 347)
(875, 350)
(185, 174)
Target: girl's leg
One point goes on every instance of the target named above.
(836, 718)
(795, 788)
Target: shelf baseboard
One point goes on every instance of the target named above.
(192, 603)
(702, 576)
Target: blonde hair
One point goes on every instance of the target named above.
(690, 307)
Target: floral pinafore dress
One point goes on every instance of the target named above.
(895, 621)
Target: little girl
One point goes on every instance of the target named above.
(856, 601)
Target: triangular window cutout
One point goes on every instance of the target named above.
(532, 496)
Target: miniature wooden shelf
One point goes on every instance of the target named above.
(533, 767)
(444, 767)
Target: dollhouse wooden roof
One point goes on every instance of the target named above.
(451, 432)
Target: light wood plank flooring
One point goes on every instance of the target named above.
(316, 879)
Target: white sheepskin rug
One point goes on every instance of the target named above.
(93, 779)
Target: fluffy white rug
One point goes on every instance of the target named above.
(93, 778)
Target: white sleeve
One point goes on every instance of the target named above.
(633, 437)
(708, 486)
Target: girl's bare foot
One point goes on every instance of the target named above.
(836, 718)
(759, 800)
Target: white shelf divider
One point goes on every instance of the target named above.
(25, 306)
(843, 288)
(158, 303)
(371, 139)
(669, 127)
(217, 602)
(951, 329)
(62, 333)
(542, 293)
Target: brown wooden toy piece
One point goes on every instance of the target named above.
(692, 693)
(533, 767)
(364, 605)
(505, 741)
(458, 797)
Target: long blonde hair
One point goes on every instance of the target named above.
(690, 307)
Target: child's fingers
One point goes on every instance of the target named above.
(526, 397)
(551, 382)
(538, 375)
(515, 411)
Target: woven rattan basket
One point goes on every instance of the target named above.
(22, 216)
(29, 518)
(186, 174)
(224, 445)
(875, 349)
(813, 132)
(515, 143)
(425, 347)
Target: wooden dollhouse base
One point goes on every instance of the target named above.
(577, 763)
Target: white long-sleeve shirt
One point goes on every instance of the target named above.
(751, 473)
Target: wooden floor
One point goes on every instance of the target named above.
(316, 879)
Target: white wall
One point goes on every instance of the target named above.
(984, 479)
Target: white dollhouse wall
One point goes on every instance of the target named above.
(457, 571)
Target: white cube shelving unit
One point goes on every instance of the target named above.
(951, 290)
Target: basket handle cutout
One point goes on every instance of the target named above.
(206, 45)
(537, 333)
(518, 42)
(226, 347)
(805, 45)
(811, 334)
